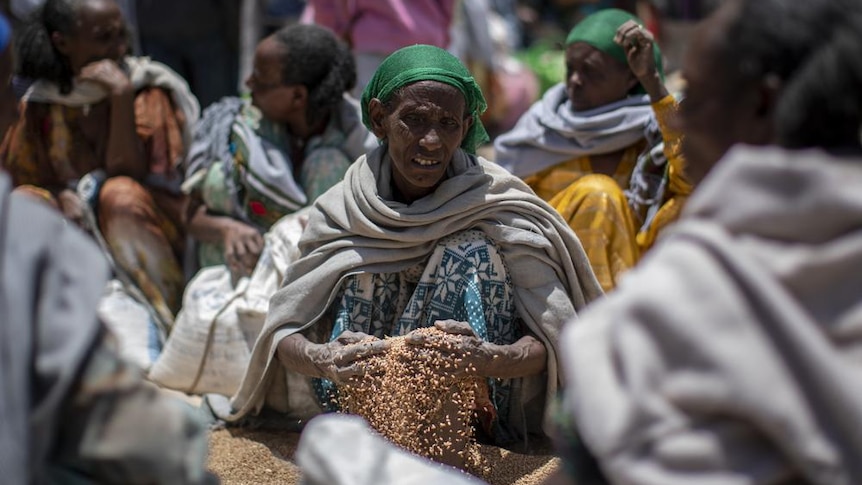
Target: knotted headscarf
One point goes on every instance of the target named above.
(599, 29)
(428, 63)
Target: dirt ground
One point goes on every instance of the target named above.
(245, 457)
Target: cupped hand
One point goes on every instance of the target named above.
(72, 206)
(108, 74)
(637, 42)
(242, 247)
(342, 359)
(460, 352)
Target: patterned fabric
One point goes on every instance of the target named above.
(465, 279)
(53, 146)
(549, 183)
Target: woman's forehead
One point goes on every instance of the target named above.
(427, 90)
(94, 12)
(583, 53)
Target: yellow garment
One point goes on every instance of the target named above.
(554, 180)
(679, 188)
(597, 210)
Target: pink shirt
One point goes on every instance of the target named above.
(384, 26)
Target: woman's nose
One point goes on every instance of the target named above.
(431, 139)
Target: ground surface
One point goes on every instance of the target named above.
(244, 457)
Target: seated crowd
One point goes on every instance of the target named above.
(662, 285)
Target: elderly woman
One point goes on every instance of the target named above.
(93, 113)
(420, 233)
(253, 163)
(599, 148)
(731, 355)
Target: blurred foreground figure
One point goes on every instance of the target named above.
(731, 354)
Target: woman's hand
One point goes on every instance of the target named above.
(109, 75)
(72, 206)
(337, 361)
(242, 247)
(468, 355)
(341, 359)
(638, 45)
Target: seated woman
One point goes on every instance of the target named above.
(421, 231)
(253, 163)
(93, 110)
(598, 146)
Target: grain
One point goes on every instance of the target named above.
(412, 398)
(242, 457)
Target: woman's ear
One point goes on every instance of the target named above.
(468, 123)
(377, 113)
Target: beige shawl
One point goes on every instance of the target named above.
(733, 353)
(142, 72)
(355, 227)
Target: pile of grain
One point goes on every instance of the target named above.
(411, 397)
(253, 457)
(246, 457)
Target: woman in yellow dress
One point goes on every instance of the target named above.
(598, 147)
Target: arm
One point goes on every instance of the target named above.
(124, 154)
(638, 43)
(242, 242)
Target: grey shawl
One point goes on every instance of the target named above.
(355, 227)
(52, 278)
(550, 132)
(733, 353)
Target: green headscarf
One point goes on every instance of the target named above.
(428, 63)
(599, 29)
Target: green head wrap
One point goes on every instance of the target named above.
(599, 29)
(428, 63)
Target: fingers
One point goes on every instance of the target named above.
(349, 354)
(632, 36)
(455, 327)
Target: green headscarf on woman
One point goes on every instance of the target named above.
(428, 63)
(599, 30)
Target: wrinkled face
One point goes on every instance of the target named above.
(8, 103)
(717, 111)
(275, 99)
(99, 33)
(594, 78)
(424, 125)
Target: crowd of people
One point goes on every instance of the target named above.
(660, 284)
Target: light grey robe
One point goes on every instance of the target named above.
(733, 353)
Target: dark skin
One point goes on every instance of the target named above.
(423, 127)
(719, 111)
(94, 50)
(278, 102)
(594, 79)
